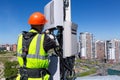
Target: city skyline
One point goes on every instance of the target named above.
(99, 17)
(100, 50)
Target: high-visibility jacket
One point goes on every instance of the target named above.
(36, 57)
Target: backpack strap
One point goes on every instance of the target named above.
(27, 38)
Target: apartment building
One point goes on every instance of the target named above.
(113, 50)
(100, 50)
(8, 47)
(14, 47)
(86, 45)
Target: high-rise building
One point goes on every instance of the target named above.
(100, 50)
(86, 45)
(117, 51)
(14, 47)
(113, 50)
(8, 47)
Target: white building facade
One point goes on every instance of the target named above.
(113, 50)
(86, 45)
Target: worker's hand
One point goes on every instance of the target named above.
(47, 31)
(51, 36)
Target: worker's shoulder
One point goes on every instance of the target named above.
(21, 33)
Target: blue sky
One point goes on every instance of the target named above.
(99, 17)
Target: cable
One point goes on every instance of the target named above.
(59, 52)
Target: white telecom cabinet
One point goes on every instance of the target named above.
(54, 14)
(69, 39)
(58, 14)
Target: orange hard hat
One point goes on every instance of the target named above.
(37, 18)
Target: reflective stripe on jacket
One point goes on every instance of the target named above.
(36, 57)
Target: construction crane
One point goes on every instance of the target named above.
(58, 13)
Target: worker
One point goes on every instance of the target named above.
(32, 48)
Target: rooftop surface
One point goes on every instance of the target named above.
(99, 78)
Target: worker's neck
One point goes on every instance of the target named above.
(38, 30)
